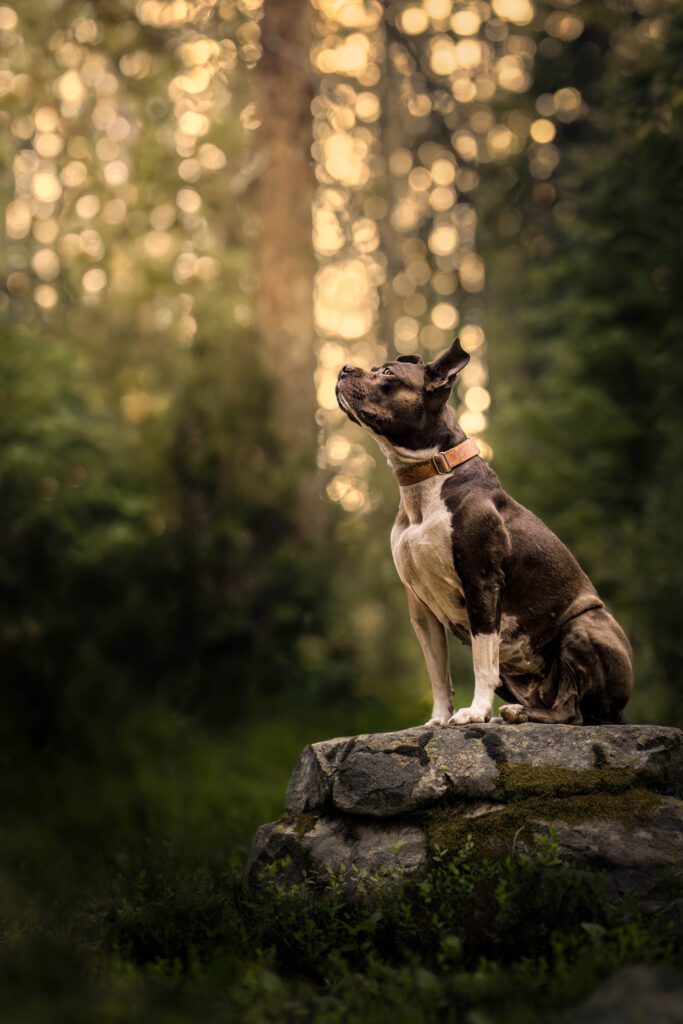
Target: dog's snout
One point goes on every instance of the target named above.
(345, 370)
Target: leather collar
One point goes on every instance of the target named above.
(439, 464)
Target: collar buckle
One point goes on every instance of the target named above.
(442, 467)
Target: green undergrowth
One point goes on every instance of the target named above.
(121, 899)
(475, 939)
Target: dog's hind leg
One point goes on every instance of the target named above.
(607, 692)
(591, 679)
(516, 714)
(556, 700)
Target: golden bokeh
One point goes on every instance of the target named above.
(414, 20)
(542, 130)
(107, 188)
(411, 102)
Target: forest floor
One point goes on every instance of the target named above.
(122, 899)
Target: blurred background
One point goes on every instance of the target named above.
(209, 206)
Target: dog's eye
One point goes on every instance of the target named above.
(386, 370)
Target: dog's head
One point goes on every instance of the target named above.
(403, 401)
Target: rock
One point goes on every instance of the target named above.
(615, 845)
(337, 846)
(378, 806)
(634, 995)
(637, 856)
(384, 774)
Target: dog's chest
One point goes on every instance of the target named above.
(422, 547)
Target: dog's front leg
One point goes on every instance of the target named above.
(434, 643)
(481, 571)
(485, 649)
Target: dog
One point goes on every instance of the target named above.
(476, 563)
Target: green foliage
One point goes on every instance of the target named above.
(145, 560)
(151, 545)
(498, 910)
(505, 939)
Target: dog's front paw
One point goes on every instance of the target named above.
(513, 714)
(439, 718)
(466, 716)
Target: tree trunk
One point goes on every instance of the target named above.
(285, 261)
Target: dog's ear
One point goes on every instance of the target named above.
(409, 359)
(441, 372)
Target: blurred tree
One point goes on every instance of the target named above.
(142, 553)
(588, 369)
(284, 192)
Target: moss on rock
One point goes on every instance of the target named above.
(496, 832)
(304, 823)
(521, 781)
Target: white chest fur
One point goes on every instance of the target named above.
(421, 545)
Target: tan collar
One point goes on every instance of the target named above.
(439, 464)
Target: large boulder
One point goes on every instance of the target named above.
(637, 994)
(379, 806)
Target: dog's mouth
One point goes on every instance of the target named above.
(355, 402)
(346, 406)
(363, 417)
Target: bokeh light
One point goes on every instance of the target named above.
(106, 197)
(405, 275)
(411, 102)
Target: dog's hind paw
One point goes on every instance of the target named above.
(513, 714)
(466, 716)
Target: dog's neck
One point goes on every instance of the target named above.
(397, 456)
(448, 435)
(415, 501)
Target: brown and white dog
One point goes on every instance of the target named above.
(478, 564)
